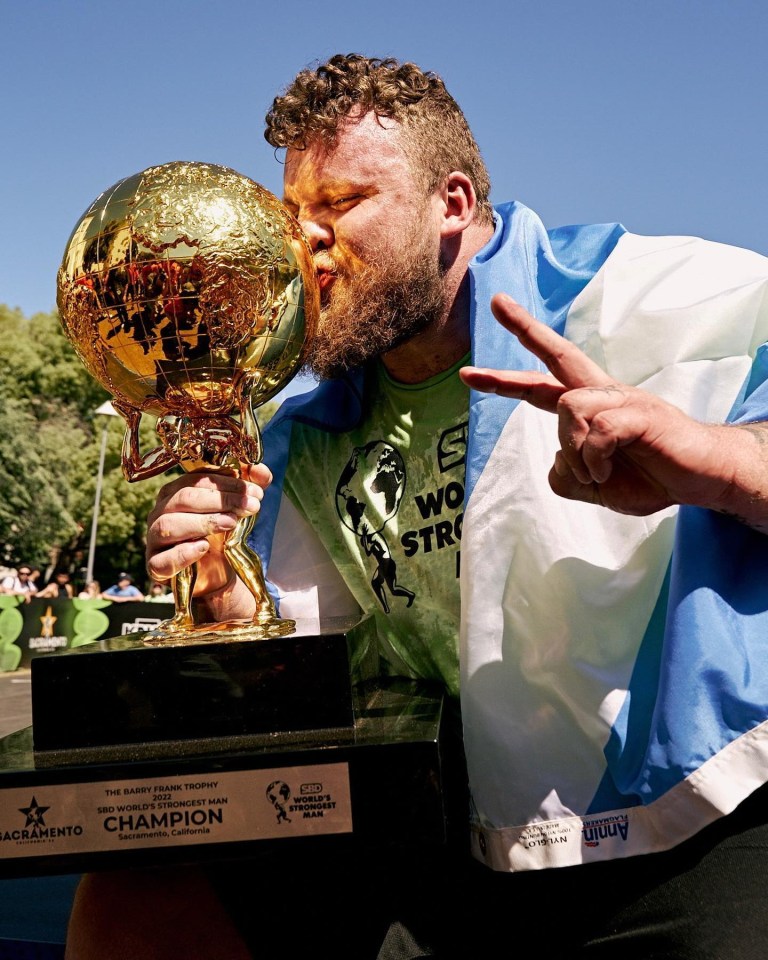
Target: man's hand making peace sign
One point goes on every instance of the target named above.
(622, 447)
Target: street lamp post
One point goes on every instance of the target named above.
(108, 410)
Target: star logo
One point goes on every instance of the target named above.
(46, 623)
(34, 814)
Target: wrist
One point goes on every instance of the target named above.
(742, 450)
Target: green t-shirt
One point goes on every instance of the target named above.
(386, 500)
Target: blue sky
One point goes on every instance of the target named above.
(653, 113)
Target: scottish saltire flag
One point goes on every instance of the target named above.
(614, 681)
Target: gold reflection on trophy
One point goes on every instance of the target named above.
(188, 291)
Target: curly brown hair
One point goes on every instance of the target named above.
(436, 135)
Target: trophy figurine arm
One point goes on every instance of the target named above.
(135, 465)
(250, 434)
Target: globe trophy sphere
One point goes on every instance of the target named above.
(188, 292)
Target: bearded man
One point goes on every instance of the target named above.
(609, 665)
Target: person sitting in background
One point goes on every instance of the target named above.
(91, 591)
(58, 587)
(123, 590)
(158, 594)
(20, 584)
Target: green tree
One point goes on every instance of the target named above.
(34, 507)
(49, 447)
(39, 367)
(50, 441)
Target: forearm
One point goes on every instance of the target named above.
(742, 490)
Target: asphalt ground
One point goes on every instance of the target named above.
(33, 910)
(15, 701)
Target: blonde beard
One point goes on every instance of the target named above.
(376, 308)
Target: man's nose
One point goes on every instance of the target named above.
(318, 233)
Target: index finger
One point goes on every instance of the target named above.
(222, 482)
(563, 359)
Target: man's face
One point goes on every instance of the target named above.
(375, 239)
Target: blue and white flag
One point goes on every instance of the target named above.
(614, 681)
(614, 668)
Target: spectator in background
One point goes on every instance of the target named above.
(158, 594)
(20, 584)
(57, 588)
(123, 590)
(91, 591)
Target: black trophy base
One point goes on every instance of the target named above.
(386, 778)
(146, 699)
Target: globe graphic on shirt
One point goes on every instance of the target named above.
(370, 488)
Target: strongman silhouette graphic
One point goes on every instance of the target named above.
(368, 495)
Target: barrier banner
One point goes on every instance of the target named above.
(44, 626)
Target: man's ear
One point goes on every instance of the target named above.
(458, 202)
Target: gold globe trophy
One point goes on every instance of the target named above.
(188, 292)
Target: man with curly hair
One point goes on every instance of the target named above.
(563, 517)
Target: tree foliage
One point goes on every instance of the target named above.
(50, 443)
(34, 511)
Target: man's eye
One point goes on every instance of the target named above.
(345, 201)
